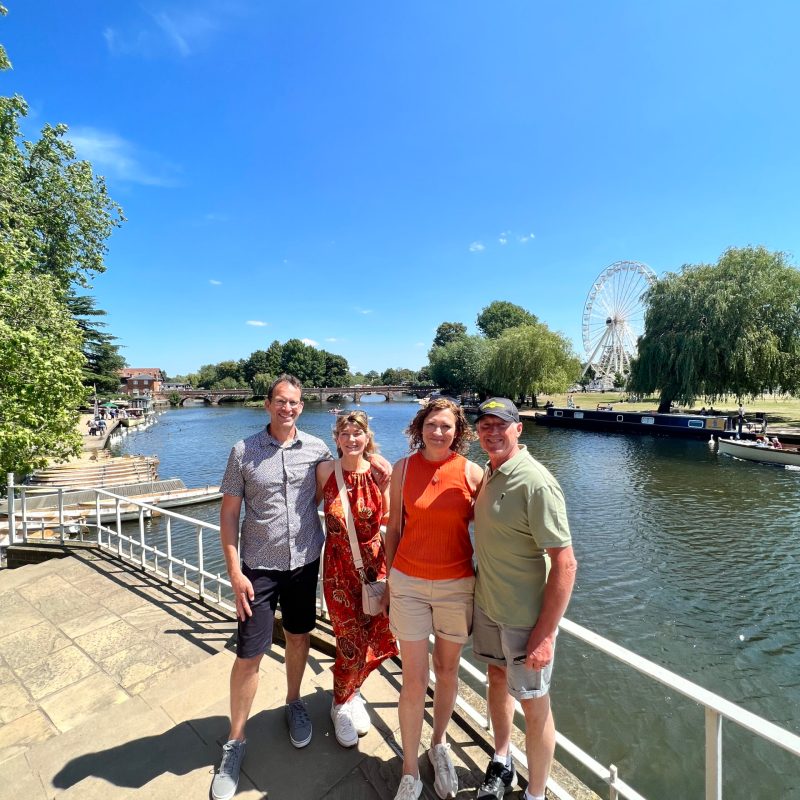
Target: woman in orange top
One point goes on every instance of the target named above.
(431, 580)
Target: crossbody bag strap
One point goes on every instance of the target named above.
(348, 517)
(402, 489)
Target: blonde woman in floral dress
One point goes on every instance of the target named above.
(362, 642)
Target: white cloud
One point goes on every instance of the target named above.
(419, 344)
(332, 339)
(477, 247)
(364, 310)
(119, 159)
(213, 216)
(525, 238)
(214, 283)
(257, 323)
(178, 30)
(503, 237)
(310, 342)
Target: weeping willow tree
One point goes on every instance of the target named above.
(530, 360)
(727, 328)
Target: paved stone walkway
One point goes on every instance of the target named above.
(113, 685)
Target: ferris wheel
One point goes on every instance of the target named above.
(613, 318)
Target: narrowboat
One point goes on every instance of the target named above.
(618, 420)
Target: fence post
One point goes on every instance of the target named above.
(97, 518)
(12, 514)
(713, 755)
(201, 584)
(612, 779)
(61, 514)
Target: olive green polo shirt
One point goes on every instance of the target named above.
(519, 513)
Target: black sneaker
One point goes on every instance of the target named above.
(498, 778)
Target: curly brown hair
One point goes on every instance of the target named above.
(360, 420)
(464, 434)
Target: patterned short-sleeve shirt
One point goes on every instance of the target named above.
(281, 528)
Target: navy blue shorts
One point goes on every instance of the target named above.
(295, 590)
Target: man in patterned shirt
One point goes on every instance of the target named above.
(274, 473)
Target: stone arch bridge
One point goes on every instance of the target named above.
(213, 397)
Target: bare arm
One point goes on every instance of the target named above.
(324, 470)
(394, 526)
(474, 477)
(557, 592)
(229, 539)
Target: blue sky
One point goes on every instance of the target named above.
(355, 174)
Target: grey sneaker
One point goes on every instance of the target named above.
(445, 778)
(299, 723)
(223, 787)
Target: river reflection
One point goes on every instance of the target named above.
(685, 557)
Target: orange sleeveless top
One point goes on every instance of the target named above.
(437, 508)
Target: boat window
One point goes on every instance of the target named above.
(578, 415)
(620, 418)
(558, 413)
(697, 423)
(648, 420)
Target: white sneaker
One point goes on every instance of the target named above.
(446, 780)
(343, 725)
(359, 714)
(410, 788)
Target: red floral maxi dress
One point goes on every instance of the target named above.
(362, 642)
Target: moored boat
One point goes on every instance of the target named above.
(763, 453)
(614, 419)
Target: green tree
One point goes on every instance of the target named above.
(728, 328)
(261, 383)
(372, 378)
(460, 365)
(448, 332)
(227, 383)
(501, 315)
(337, 370)
(304, 361)
(531, 360)
(394, 377)
(231, 371)
(103, 359)
(55, 214)
(206, 376)
(40, 375)
(424, 375)
(174, 399)
(257, 362)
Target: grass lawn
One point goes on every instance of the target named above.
(780, 410)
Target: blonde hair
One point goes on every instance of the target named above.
(463, 435)
(360, 420)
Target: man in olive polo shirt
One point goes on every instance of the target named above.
(526, 571)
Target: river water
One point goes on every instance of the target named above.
(688, 558)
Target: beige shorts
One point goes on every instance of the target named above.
(419, 607)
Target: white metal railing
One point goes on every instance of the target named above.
(176, 570)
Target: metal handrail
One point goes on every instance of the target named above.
(147, 556)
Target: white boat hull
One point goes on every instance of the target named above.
(750, 451)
